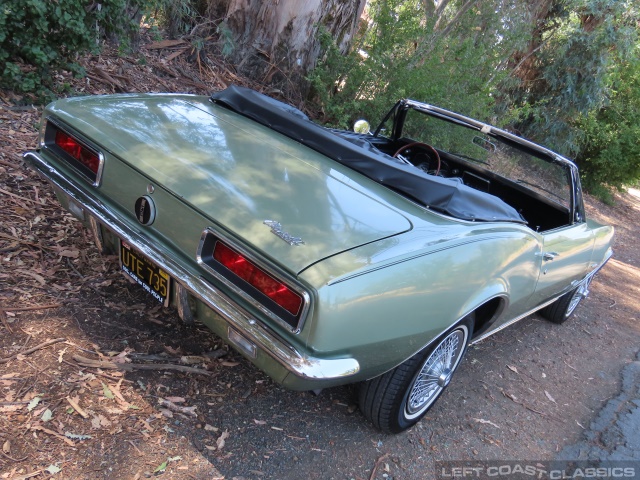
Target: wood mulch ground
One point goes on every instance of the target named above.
(97, 381)
(58, 414)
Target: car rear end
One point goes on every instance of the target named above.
(218, 222)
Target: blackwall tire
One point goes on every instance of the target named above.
(562, 309)
(398, 399)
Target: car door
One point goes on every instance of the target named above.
(564, 260)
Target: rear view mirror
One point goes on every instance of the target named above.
(484, 143)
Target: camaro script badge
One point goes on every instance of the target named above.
(276, 229)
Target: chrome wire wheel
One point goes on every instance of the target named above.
(436, 372)
(399, 398)
(581, 292)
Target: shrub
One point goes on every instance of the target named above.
(39, 36)
(611, 153)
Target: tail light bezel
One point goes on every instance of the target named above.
(252, 295)
(53, 126)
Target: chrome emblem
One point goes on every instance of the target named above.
(145, 210)
(276, 229)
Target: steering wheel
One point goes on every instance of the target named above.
(423, 145)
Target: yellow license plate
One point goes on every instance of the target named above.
(145, 273)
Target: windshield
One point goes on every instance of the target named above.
(459, 142)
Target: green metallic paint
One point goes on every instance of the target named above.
(220, 327)
(234, 170)
(402, 306)
(385, 275)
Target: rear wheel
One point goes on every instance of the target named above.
(398, 399)
(560, 310)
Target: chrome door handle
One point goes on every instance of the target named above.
(547, 256)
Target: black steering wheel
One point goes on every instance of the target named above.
(422, 145)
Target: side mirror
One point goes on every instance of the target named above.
(362, 126)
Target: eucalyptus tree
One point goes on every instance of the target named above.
(449, 52)
(276, 42)
(563, 73)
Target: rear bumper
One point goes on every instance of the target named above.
(307, 372)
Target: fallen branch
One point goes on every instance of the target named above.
(165, 44)
(18, 196)
(33, 349)
(105, 364)
(177, 408)
(108, 377)
(28, 309)
(76, 407)
(17, 460)
(375, 467)
(109, 79)
(51, 432)
(7, 164)
(137, 449)
(28, 475)
(176, 54)
(531, 409)
(10, 248)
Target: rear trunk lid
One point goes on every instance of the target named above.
(266, 189)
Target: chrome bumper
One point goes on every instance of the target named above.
(299, 364)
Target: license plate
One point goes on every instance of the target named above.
(145, 273)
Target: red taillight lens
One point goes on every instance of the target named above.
(82, 154)
(262, 281)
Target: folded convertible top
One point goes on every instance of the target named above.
(446, 195)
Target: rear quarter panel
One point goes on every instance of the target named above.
(603, 237)
(402, 297)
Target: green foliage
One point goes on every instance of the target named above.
(579, 92)
(563, 73)
(578, 43)
(39, 36)
(226, 37)
(178, 17)
(610, 152)
(449, 60)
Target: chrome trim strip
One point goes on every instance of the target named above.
(486, 128)
(255, 303)
(514, 320)
(298, 363)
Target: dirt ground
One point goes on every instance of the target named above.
(68, 316)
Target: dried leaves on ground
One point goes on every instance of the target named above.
(63, 409)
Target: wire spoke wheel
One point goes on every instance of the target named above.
(398, 399)
(560, 310)
(436, 373)
(581, 292)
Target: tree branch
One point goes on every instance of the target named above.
(33, 349)
(429, 44)
(87, 362)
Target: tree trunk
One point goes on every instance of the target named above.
(277, 41)
(526, 64)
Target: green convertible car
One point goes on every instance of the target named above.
(323, 256)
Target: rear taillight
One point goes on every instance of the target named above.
(79, 152)
(277, 291)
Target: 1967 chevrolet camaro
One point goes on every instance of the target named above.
(324, 256)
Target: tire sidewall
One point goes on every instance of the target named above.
(401, 419)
